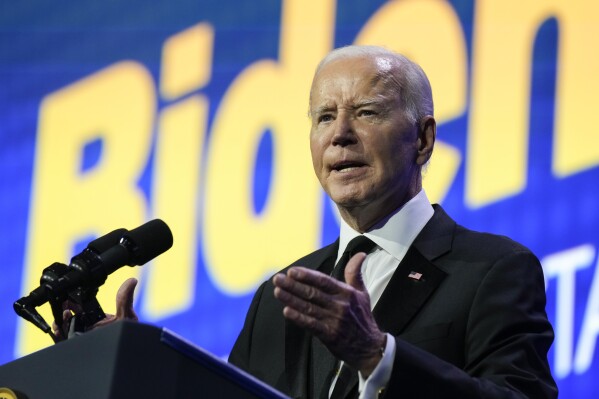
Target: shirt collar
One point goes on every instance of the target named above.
(396, 232)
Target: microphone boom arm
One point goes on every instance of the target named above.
(78, 283)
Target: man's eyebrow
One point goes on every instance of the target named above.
(369, 102)
(322, 109)
(376, 102)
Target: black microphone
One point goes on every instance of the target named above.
(52, 273)
(89, 269)
(136, 247)
(25, 307)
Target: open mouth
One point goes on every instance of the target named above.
(346, 166)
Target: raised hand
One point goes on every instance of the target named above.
(337, 313)
(124, 310)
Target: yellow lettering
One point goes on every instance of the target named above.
(576, 143)
(176, 180)
(186, 61)
(498, 128)
(116, 106)
(242, 248)
(175, 186)
(498, 133)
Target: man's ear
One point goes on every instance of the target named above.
(427, 133)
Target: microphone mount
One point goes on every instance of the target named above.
(75, 286)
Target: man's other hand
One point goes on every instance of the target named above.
(335, 312)
(124, 310)
(124, 304)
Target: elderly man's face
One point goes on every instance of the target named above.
(364, 147)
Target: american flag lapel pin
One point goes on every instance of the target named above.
(415, 275)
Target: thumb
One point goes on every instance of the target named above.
(124, 300)
(353, 272)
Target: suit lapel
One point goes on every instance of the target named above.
(297, 340)
(405, 294)
(416, 277)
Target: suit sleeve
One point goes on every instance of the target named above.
(507, 339)
(240, 354)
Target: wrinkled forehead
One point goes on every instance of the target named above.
(351, 78)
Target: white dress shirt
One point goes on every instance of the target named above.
(393, 236)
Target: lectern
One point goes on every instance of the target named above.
(128, 360)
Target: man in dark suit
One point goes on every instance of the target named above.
(426, 308)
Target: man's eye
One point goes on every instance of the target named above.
(325, 118)
(367, 112)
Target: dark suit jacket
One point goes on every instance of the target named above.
(473, 326)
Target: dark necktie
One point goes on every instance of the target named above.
(357, 244)
(324, 363)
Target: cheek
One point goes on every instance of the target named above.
(396, 162)
(317, 167)
(316, 153)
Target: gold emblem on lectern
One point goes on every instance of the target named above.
(6, 393)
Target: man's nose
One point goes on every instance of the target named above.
(344, 133)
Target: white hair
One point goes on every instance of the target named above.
(406, 77)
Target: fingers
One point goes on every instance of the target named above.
(296, 305)
(314, 301)
(61, 331)
(67, 315)
(313, 278)
(124, 300)
(308, 299)
(315, 324)
(109, 319)
(353, 272)
(124, 310)
(323, 322)
(335, 312)
(306, 284)
(71, 306)
(124, 305)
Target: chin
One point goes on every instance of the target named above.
(349, 201)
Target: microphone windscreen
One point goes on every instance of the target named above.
(107, 241)
(148, 241)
